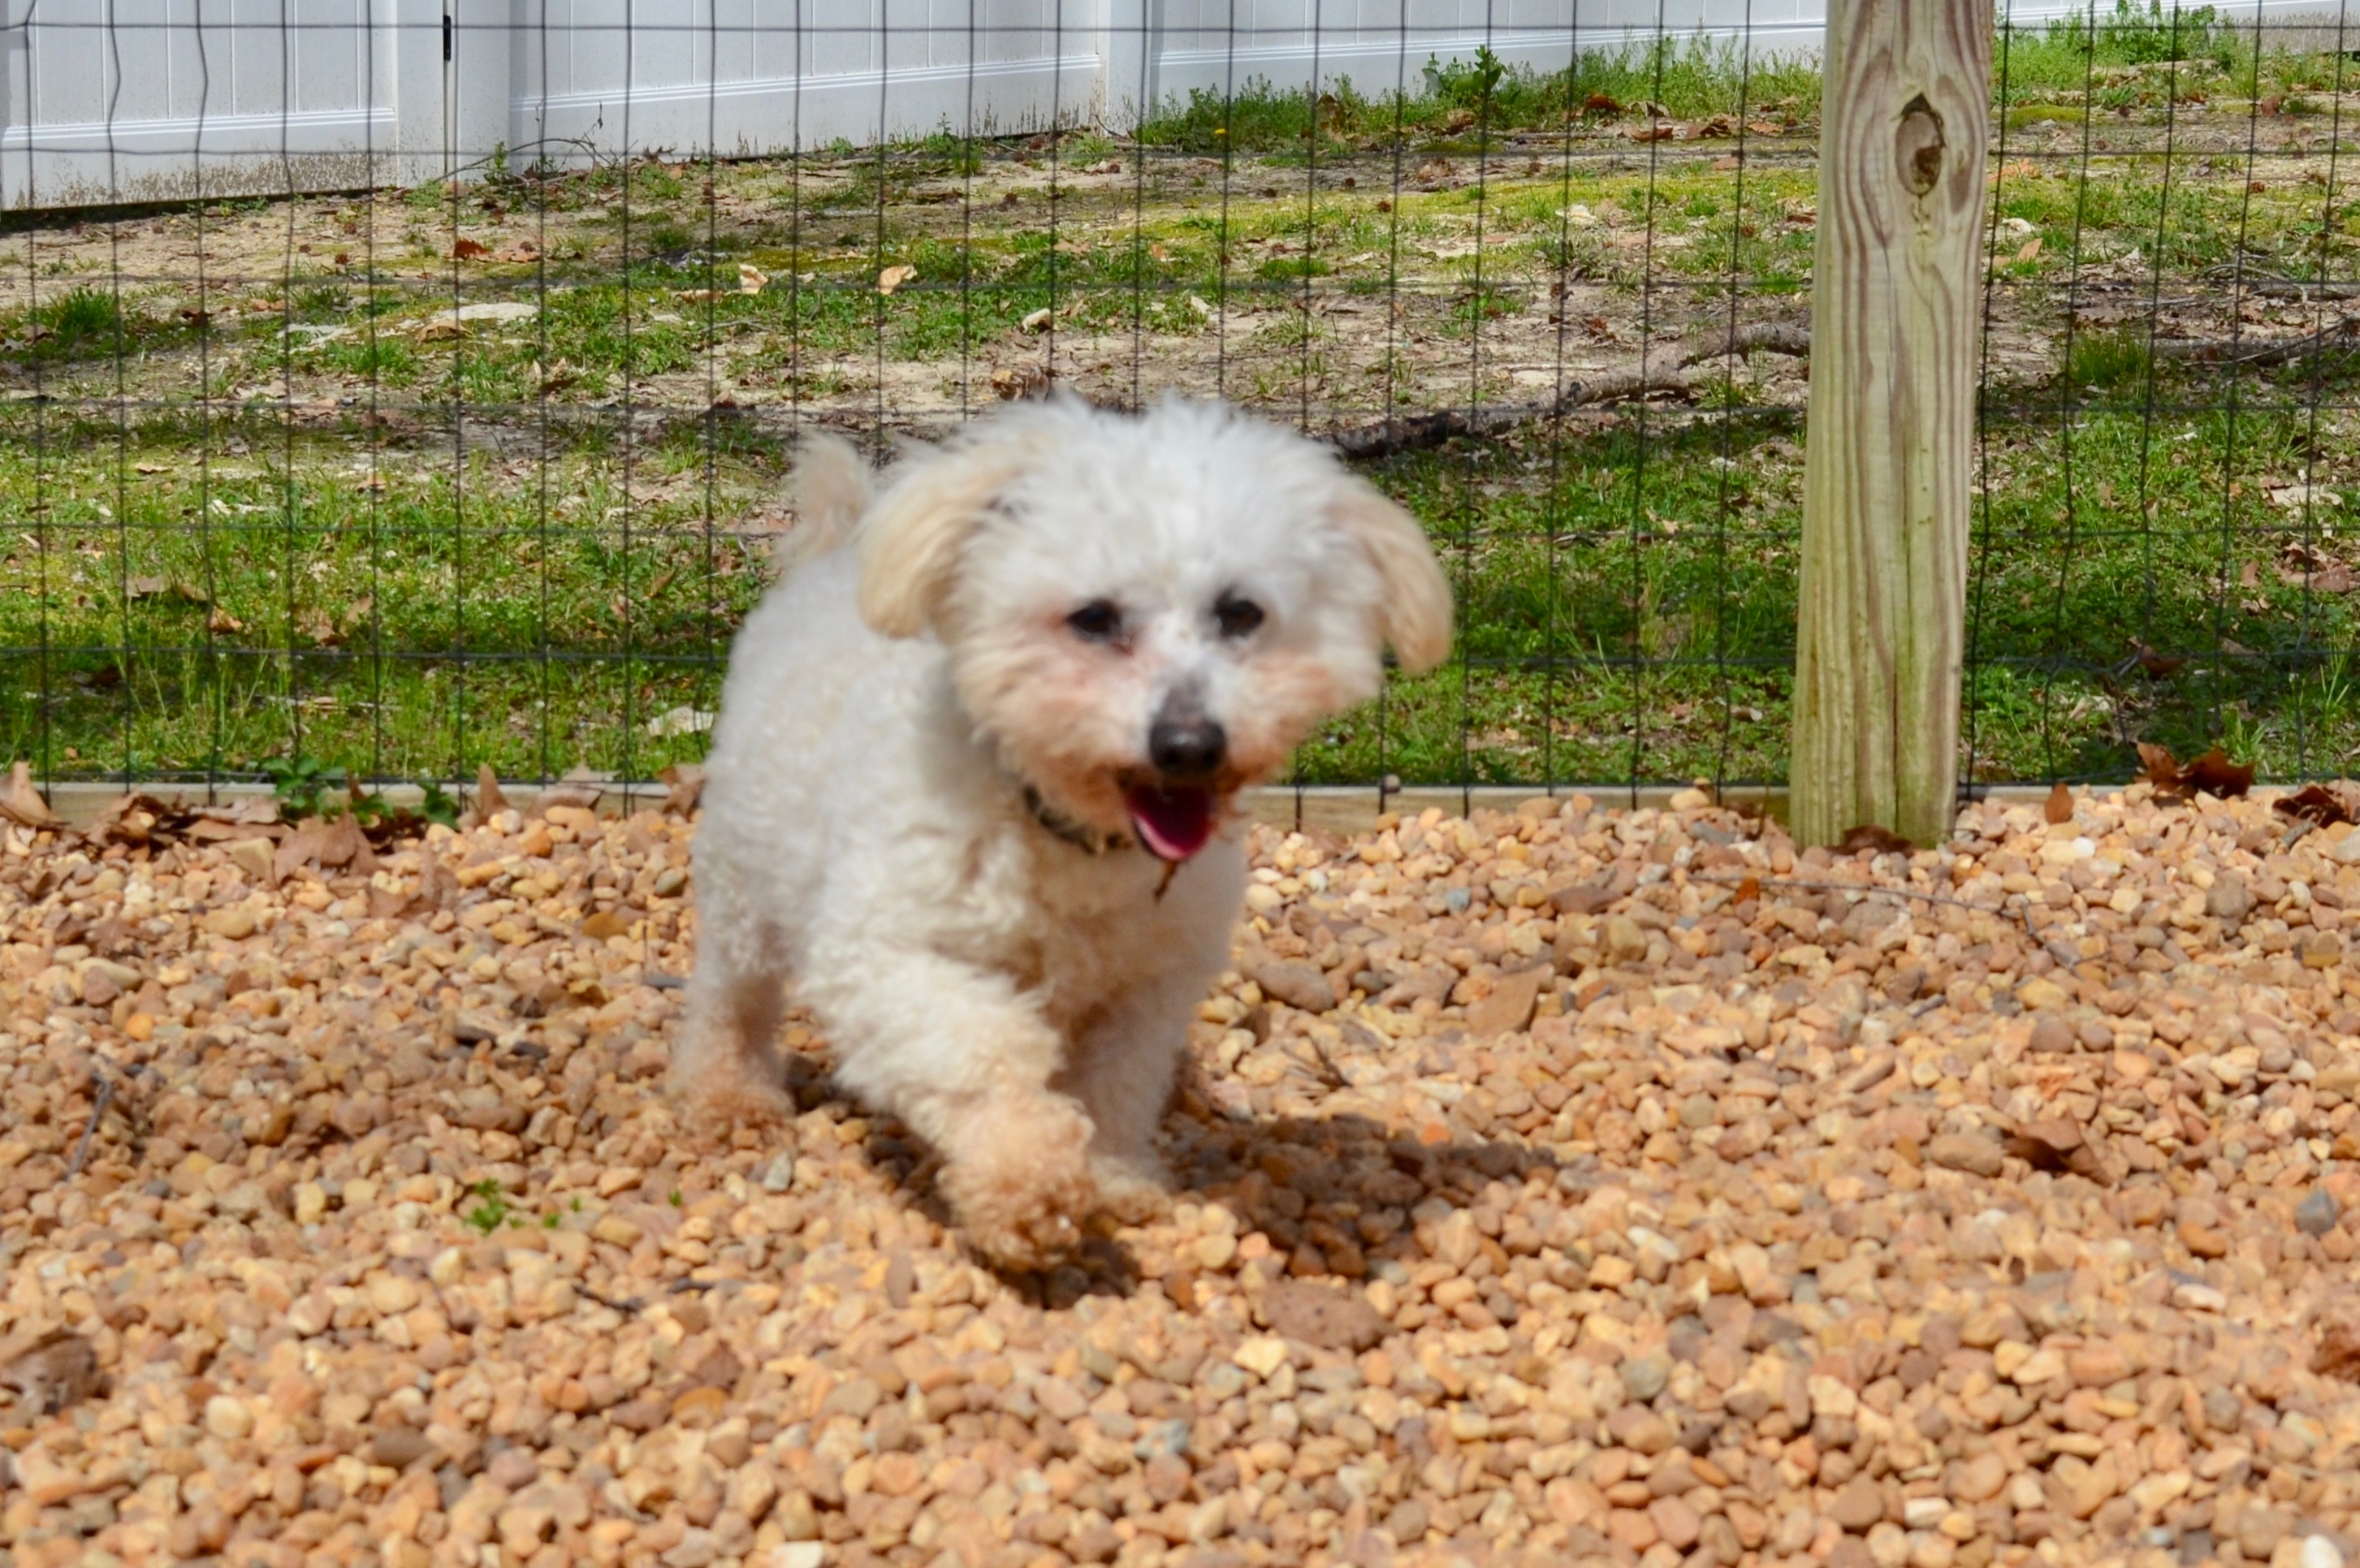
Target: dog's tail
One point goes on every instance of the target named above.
(831, 489)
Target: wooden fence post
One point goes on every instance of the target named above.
(1904, 122)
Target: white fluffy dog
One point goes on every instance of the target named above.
(972, 781)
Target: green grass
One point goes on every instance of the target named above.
(1637, 618)
(190, 588)
(191, 622)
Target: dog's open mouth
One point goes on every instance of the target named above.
(1173, 821)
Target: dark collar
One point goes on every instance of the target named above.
(1081, 836)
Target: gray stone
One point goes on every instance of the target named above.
(1644, 1378)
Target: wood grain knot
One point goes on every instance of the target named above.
(1920, 145)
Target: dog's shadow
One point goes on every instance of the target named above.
(1333, 1195)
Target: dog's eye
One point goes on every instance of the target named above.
(1237, 617)
(1100, 620)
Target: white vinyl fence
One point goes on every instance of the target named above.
(109, 101)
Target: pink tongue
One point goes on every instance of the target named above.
(1173, 823)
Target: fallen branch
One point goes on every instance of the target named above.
(2258, 352)
(2270, 286)
(1418, 433)
(1758, 337)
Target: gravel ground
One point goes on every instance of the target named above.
(1656, 1194)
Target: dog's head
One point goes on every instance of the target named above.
(1143, 614)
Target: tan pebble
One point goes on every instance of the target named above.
(1979, 1479)
(2052, 1034)
(2096, 1365)
(254, 856)
(699, 1407)
(1972, 1153)
(1214, 1252)
(1677, 1524)
(617, 1231)
(235, 922)
(1262, 1356)
(1509, 1006)
(227, 1417)
(1455, 1239)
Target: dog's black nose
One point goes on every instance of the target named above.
(1187, 747)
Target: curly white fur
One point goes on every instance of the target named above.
(1020, 1000)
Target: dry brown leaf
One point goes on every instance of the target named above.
(220, 623)
(2325, 804)
(568, 791)
(314, 624)
(1872, 838)
(2059, 808)
(2056, 1144)
(134, 819)
(684, 785)
(2333, 577)
(2338, 1355)
(22, 804)
(2215, 774)
(2212, 773)
(893, 277)
(57, 1370)
(2031, 249)
(2157, 766)
(604, 924)
(441, 328)
(488, 799)
(1022, 381)
(752, 279)
(469, 250)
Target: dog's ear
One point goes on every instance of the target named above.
(911, 541)
(1417, 609)
(831, 489)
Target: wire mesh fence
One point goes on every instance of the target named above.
(407, 391)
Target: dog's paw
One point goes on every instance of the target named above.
(1132, 1191)
(1023, 1189)
(736, 1101)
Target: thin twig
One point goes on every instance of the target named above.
(90, 1129)
(2021, 914)
(626, 1306)
(1330, 1073)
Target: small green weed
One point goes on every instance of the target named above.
(492, 1211)
(304, 786)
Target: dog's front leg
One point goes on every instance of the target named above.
(1122, 1071)
(960, 1054)
(725, 1061)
